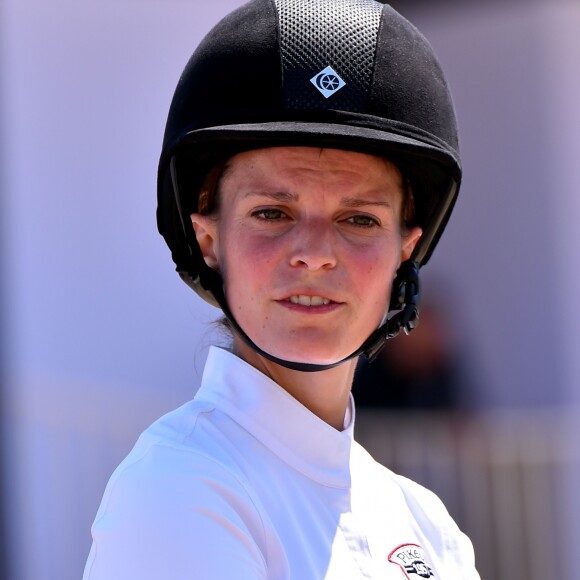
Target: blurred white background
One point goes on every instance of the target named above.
(99, 336)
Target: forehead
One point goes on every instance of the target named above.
(304, 163)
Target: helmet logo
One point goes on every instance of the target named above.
(327, 81)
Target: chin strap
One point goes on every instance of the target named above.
(208, 284)
(404, 300)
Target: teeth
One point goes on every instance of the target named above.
(309, 300)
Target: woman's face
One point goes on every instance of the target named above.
(308, 241)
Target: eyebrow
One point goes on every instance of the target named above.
(354, 202)
(351, 202)
(275, 195)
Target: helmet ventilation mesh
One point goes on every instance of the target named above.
(344, 38)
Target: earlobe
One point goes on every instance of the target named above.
(205, 228)
(410, 239)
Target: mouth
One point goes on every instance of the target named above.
(304, 300)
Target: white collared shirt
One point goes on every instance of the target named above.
(245, 483)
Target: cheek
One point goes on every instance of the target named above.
(375, 273)
(247, 261)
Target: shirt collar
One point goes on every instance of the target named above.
(277, 419)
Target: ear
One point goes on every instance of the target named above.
(409, 241)
(205, 228)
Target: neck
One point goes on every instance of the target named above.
(324, 393)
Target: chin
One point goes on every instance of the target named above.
(308, 352)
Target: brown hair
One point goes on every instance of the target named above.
(408, 205)
(208, 201)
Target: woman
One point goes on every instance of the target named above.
(303, 182)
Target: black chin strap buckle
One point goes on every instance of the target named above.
(405, 297)
(405, 302)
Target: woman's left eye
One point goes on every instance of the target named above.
(363, 221)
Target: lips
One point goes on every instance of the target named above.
(305, 300)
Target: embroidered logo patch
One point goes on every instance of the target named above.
(327, 81)
(411, 559)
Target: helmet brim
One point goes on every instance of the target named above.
(399, 140)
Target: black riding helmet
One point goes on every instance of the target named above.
(343, 74)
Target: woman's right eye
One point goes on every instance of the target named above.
(269, 214)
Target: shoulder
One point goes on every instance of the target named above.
(453, 548)
(173, 503)
(179, 461)
(424, 511)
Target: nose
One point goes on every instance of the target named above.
(313, 246)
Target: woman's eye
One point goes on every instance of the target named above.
(269, 214)
(364, 221)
